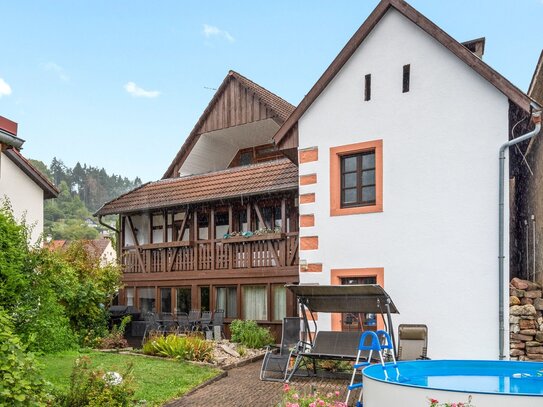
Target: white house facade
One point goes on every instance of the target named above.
(21, 184)
(398, 145)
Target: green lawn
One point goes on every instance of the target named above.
(156, 381)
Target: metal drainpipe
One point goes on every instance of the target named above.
(536, 118)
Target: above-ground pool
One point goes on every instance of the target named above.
(490, 383)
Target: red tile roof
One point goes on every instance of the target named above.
(256, 179)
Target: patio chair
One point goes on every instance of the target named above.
(204, 322)
(169, 324)
(183, 323)
(152, 324)
(216, 321)
(412, 341)
(194, 318)
(277, 358)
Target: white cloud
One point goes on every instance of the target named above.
(5, 89)
(212, 31)
(136, 91)
(57, 69)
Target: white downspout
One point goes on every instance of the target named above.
(536, 118)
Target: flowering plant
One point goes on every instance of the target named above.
(436, 403)
(293, 398)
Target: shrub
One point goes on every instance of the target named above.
(115, 339)
(98, 388)
(292, 398)
(57, 298)
(436, 403)
(20, 380)
(193, 347)
(249, 334)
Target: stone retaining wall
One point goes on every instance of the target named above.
(525, 320)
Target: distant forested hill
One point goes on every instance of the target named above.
(83, 190)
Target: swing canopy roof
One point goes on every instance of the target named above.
(344, 298)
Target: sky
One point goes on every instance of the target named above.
(120, 84)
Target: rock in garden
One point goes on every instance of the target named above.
(518, 345)
(534, 349)
(515, 328)
(527, 324)
(229, 350)
(516, 292)
(539, 336)
(513, 319)
(533, 294)
(522, 310)
(538, 304)
(530, 332)
(516, 352)
(521, 337)
(520, 284)
(532, 344)
(513, 300)
(526, 300)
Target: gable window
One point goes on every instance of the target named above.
(406, 78)
(367, 87)
(356, 178)
(245, 158)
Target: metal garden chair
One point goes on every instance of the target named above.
(183, 323)
(152, 324)
(277, 358)
(169, 324)
(194, 318)
(412, 341)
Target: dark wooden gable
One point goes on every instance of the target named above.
(234, 106)
(238, 101)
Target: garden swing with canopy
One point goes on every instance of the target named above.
(337, 345)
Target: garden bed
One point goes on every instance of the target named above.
(157, 380)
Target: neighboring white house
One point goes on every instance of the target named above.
(20, 182)
(398, 158)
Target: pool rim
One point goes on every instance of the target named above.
(454, 361)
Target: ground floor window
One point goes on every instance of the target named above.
(204, 299)
(183, 300)
(279, 293)
(147, 299)
(255, 303)
(227, 300)
(129, 291)
(166, 300)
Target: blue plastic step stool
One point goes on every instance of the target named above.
(379, 341)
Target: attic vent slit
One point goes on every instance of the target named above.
(406, 75)
(367, 87)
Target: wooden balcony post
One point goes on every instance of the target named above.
(211, 228)
(195, 237)
(284, 243)
(230, 219)
(166, 251)
(249, 226)
(135, 238)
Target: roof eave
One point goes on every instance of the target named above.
(49, 190)
(104, 212)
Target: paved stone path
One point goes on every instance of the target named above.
(242, 387)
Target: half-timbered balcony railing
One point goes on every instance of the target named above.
(270, 250)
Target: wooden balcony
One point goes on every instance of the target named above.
(263, 251)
